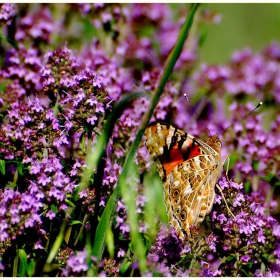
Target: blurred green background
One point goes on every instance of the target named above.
(242, 25)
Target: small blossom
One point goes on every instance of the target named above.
(245, 258)
(50, 214)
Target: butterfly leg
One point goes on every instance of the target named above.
(226, 159)
(219, 188)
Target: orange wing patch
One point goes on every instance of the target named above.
(176, 156)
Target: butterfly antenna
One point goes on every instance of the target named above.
(241, 118)
(197, 114)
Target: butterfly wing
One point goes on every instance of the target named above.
(189, 195)
(189, 170)
(169, 146)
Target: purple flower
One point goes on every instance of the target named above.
(121, 253)
(245, 258)
(44, 180)
(211, 240)
(97, 82)
(277, 251)
(125, 228)
(7, 12)
(77, 262)
(50, 214)
(92, 101)
(261, 237)
(83, 193)
(92, 120)
(238, 200)
(119, 221)
(222, 218)
(29, 222)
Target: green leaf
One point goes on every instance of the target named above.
(231, 257)
(104, 224)
(54, 208)
(247, 186)
(110, 243)
(125, 266)
(11, 185)
(245, 272)
(82, 143)
(76, 222)
(31, 268)
(93, 161)
(23, 262)
(255, 165)
(2, 166)
(20, 168)
(58, 241)
(70, 203)
(233, 159)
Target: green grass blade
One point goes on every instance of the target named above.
(31, 268)
(104, 224)
(58, 241)
(93, 160)
(107, 216)
(128, 187)
(2, 166)
(23, 263)
(154, 205)
(97, 152)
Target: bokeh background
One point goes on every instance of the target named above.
(242, 25)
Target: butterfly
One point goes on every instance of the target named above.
(189, 169)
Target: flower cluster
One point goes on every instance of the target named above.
(251, 236)
(7, 13)
(237, 246)
(32, 146)
(36, 27)
(106, 17)
(21, 76)
(247, 74)
(19, 211)
(260, 148)
(254, 145)
(76, 264)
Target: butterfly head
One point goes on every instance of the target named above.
(214, 142)
(214, 138)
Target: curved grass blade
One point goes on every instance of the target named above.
(94, 162)
(23, 263)
(97, 152)
(107, 216)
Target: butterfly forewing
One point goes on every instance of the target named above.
(189, 169)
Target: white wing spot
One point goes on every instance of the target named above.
(188, 190)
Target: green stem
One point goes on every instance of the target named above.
(15, 265)
(81, 229)
(58, 241)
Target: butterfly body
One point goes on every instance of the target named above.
(189, 169)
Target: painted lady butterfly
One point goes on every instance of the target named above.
(189, 169)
